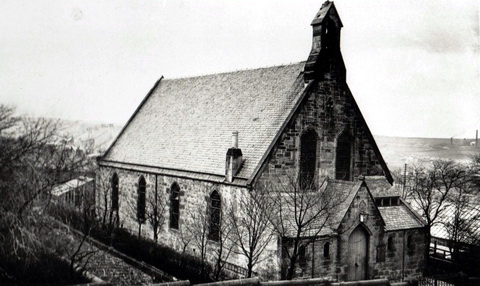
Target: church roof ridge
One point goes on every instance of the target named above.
(233, 71)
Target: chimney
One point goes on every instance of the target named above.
(234, 159)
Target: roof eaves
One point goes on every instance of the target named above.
(403, 228)
(374, 204)
(350, 197)
(101, 158)
(207, 177)
(280, 131)
(413, 212)
(338, 15)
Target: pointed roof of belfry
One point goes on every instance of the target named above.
(327, 7)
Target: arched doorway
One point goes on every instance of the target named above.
(358, 254)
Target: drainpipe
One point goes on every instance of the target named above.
(156, 189)
(313, 259)
(403, 255)
(156, 208)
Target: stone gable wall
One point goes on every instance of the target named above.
(373, 225)
(328, 123)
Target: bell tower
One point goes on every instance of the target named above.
(326, 41)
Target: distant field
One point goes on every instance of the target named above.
(400, 150)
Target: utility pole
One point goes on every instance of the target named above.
(404, 181)
(451, 140)
(476, 139)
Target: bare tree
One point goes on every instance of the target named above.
(461, 221)
(197, 233)
(223, 246)
(104, 184)
(299, 210)
(431, 188)
(33, 159)
(461, 215)
(155, 214)
(251, 227)
(80, 252)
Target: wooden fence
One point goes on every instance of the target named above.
(449, 280)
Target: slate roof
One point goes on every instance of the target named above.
(395, 217)
(380, 187)
(70, 185)
(400, 217)
(469, 232)
(195, 135)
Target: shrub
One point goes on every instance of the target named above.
(47, 269)
(180, 265)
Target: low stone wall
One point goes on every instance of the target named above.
(304, 282)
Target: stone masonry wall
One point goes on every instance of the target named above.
(329, 110)
(403, 261)
(314, 264)
(194, 199)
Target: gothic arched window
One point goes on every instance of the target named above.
(215, 210)
(409, 242)
(308, 159)
(174, 205)
(141, 199)
(391, 244)
(115, 192)
(302, 256)
(326, 250)
(344, 157)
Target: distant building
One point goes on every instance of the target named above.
(78, 193)
(299, 118)
(456, 236)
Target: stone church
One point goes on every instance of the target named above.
(198, 144)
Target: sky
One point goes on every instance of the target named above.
(412, 66)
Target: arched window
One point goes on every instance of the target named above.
(390, 244)
(141, 199)
(308, 159)
(302, 256)
(344, 157)
(409, 242)
(174, 205)
(326, 250)
(115, 192)
(215, 216)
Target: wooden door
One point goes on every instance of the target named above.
(358, 254)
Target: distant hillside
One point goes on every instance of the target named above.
(395, 150)
(90, 135)
(400, 150)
